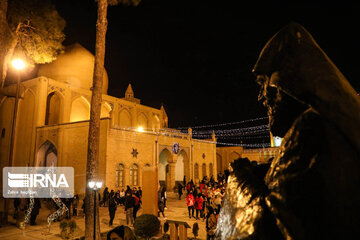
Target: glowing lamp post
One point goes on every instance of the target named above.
(95, 185)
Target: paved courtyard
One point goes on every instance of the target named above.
(176, 210)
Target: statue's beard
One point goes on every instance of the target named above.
(283, 113)
(279, 126)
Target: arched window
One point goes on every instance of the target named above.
(196, 171)
(211, 170)
(134, 176)
(119, 175)
(203, 170)
(147, 165)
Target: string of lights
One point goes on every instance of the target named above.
(262, 131)
(245, 137)
(241, 133)
(253, 129)
(242, 144)
(246, 129)
(225, 124)
(62, 209)
(28, 211)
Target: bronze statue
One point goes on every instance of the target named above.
(312, 189)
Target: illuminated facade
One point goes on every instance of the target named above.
(52, 129)
(226, 155)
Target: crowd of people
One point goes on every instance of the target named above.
(129, 199)
(204, 200)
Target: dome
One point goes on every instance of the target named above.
(74, 67)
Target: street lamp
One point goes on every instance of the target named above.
(19, 65)
(95, 185)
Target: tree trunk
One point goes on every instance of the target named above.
(4, 30)
(94, 126)
(3, 23)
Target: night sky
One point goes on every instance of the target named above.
(195, 57)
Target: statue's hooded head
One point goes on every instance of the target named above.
(292, 63)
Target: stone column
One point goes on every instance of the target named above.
(170, 184)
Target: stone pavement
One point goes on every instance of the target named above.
(176, 210)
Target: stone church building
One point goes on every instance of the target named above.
(53, 120)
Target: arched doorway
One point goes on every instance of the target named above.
(164, 169)
(46, 155)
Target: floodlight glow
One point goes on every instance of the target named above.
(18, 64)
(91, 184)
(98, 184)
(140, 129)
(277, 141)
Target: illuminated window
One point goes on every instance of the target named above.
(196, 171)
(134, 175)
(119, 176)
(211, 170)
(203, 170)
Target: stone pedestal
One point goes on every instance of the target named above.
(173, 231)
(182, 232)
(178, 230)
(150, 188)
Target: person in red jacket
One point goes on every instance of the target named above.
(188, 187)
(190, 202)
(202, 185)
(199, 205)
